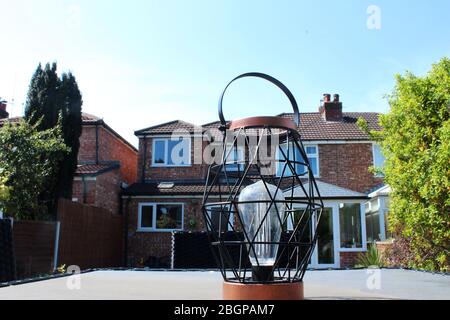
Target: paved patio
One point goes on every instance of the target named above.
(206, 285)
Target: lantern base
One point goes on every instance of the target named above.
(272, 291)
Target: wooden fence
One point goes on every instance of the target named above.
(34, 244)
(89, 237)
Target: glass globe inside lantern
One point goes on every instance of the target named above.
(262, 220)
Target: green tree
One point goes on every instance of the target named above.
(49, 99)
(4, 190)
(28, 157)
(71, 126)
(44, 103)
(416, 143)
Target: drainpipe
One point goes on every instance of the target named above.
(56, 249)
(144, 160)
(83, 181)
(125, 257)
(96, 143)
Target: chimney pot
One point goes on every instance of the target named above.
(3, 113)
(331, 110)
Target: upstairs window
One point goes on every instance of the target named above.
(235, 157)
(312, 152)
(169, 152)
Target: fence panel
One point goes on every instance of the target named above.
(7, 263)
(90, 237)
(34, 244)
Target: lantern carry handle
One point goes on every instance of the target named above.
(270, 79)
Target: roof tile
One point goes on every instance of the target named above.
(168, 128)
(314, 127)
(94, 169)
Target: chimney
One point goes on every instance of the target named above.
(331, 110)
(3, 113)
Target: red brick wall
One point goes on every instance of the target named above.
(142, 245)
(108, 190)
(349, 259)
(111, 148)
(347, 165)
(87, 145)
(90, 191)
(102, 192)
(195, 171)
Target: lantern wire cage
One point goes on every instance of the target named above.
(262, 213)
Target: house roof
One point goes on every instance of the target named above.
(168, 128)
(95, 169)
(85, 117)
(383, 191)
(326, 190)
(155, 188)
(87, 120)
(314, 127)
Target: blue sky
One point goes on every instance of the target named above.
(140, 63)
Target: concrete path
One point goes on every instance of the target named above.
(206, 285)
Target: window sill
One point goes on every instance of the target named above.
(352, 249)
(170, 166)
(157, 230)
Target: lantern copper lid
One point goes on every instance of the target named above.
(263, 122)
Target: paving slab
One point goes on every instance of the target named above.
(207, 285)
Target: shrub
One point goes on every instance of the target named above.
(370, 258)
(415, 140)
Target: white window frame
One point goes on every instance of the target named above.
(315, 155)
(155, 204)
(166, 153)
(374, 145)
(382, 211)
(362, 214)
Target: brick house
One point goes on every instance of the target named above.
(106, 163)
(167, 197)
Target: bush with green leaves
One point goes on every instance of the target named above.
(28, 157)
(370, 258)
(416, 143)
(4, 190)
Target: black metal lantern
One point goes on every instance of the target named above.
(260, 199)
